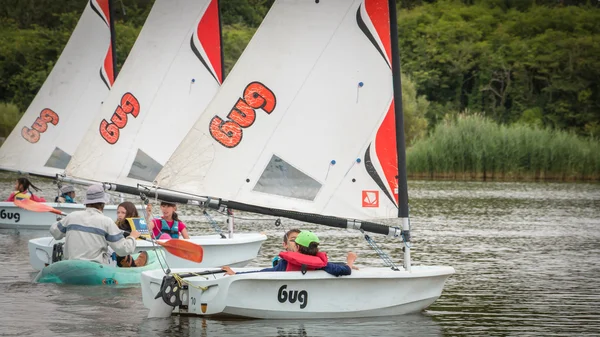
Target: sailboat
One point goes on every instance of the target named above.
(172, 72)
(44, 140)
(307, 126)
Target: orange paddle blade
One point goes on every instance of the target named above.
(184, 249)
(33, 206)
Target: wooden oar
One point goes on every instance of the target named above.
(33, 206)
(183, 249)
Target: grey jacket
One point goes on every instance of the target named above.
(88, 234)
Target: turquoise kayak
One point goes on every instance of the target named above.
(93, 273)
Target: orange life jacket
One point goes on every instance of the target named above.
(295, 261)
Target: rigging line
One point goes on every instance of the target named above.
(214, 224)
(299, 89)
(383, 255)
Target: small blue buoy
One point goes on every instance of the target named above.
(360, 84)
(358, 160)
(333, 162)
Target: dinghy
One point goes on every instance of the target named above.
(307, 126)
(55, 122)
(218, 251)
(79, 272)
(13, 217)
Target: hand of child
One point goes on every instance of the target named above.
(228, 270)
(350, 260)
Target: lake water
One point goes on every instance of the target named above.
(526, 258)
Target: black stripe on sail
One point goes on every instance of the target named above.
(375, 176)
(365, 30)
(98, 12)
(104, 79)
(199, 56)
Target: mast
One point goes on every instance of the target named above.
(400, 142)
(221, 42)
(113, 38)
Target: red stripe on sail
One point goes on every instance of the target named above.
(104, 7)
(379, 14)
(385, 148)
(108, 66)
(209, 34)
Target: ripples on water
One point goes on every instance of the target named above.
(525, 256)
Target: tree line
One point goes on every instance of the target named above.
(531, 62)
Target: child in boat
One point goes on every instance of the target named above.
(127, 210)
(308, 257)
(67, 195)
(23, 191)
(168, 226)
(289, 244)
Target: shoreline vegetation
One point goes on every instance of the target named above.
(530, 69)
(472, 147)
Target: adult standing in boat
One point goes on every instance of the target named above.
(89, 233)
(168, 226)
(67, 195)
(23, 191)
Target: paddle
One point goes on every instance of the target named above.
(183, 249)
(33, 206)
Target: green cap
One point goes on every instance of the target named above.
(305, 238)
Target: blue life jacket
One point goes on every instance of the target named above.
(67, 198)
(173, 231)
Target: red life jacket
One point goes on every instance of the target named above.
(296, 260)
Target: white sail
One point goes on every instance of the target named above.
(56, 120)
(171, 74)
(305, 120)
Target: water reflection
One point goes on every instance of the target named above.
(410, 325)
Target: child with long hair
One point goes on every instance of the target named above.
(23, 191)
(127, 210)
(168, 226)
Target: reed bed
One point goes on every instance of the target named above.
(473, 147)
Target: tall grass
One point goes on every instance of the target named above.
(473, 147)
(9, 117)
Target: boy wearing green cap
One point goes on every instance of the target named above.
(308, 257)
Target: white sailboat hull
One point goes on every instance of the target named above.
(237, 251)
(13, 217)
(367, 292)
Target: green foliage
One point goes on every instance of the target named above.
(235, 40)
(9, 117)
(505, 60)
(244, 12)
(414, 108)
(475, 147)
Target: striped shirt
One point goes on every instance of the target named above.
(88, 234)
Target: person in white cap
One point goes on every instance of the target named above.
(67, 194)
(89, 232)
